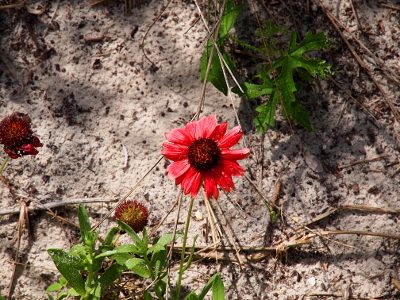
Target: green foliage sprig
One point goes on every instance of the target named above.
(278, 76)
(80, 267)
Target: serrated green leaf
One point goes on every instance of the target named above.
(310, 42)
(293, 61)
(266, 113)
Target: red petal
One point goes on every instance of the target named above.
(206, 126)
(175, 152)
(219, 131)
(236, 154)
(231, 167)
(178, 168)
(28, 148)
(11, 153)
(210, 184)
(179, 136)
(231, 138)
(191, 182)
(36, 142)
(224, 180)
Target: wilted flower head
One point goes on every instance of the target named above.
(201, 155)
(17, 136)
(133, 214)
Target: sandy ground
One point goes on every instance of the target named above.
(101, 111)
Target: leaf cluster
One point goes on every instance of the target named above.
(81, 267)
(278, 76)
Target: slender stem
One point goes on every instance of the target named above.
(178, 290)
(4, 164)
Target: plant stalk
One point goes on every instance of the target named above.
(178, 290)
(4, 164)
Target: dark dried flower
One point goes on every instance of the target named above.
(17, 136)
(134, 214)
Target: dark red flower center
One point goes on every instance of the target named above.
(204, 154)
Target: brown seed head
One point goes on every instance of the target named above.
(134, 214)
(17, 136)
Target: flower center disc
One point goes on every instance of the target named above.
(204, 154)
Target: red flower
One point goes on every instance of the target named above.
(17, 137)
(201, 155)
(133, 214)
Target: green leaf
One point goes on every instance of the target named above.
(266, 113)
(110, 236)
(61, 257)
(268, 34)
(208, 286)
(69, 266)
(110, 275)
(61, 295)
(228, 18)
(88, 237)
(147, 295)
(216, 75)
(120, 249)
(54, 287)
(167, 238)
(190, 259)
(218, 292)
(141, 247)
(282, 89)
(80, 251)
(121, 258)
(160, 287)
(48, 295)
(192, 296)
(257, 90)
(72, 292)
(156, 248)
(138, 266)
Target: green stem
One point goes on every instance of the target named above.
(91, 273)
(4, 164)
(178, 290)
